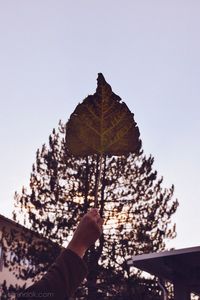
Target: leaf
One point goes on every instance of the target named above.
(102, 124)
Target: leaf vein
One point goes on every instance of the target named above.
(109, 129)
(121, 137)
(90, 127)
(92, 113)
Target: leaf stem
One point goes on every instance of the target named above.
(98, 181)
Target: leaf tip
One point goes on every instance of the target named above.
(100, 78)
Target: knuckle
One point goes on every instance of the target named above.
(87, 217)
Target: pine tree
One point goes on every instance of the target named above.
(136, 208)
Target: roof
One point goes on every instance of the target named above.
(22, 229)
(173, 265)
(12, 222)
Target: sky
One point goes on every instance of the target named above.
(149, 51)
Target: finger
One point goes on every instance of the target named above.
(100, 222)
(96, 218)
(94, 211)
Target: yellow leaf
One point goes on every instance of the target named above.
(102, 124)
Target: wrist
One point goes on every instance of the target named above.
(78, 249)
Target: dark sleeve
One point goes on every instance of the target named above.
(61, 280)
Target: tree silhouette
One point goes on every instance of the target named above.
(136, 208)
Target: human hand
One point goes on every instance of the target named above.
(87, 232)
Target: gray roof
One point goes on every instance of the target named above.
(173, 265)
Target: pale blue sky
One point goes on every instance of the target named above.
(149, 51)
